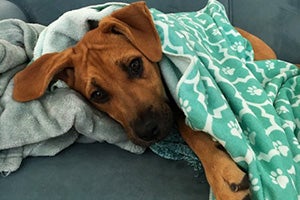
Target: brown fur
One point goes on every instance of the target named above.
(105, 68)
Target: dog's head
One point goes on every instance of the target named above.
(114, 67)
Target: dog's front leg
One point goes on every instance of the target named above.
(226, 179)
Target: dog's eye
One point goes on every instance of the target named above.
(99, 96)
(135, 68)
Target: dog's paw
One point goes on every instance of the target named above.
(227, 180)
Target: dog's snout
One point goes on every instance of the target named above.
(147, 127)
(152, 124)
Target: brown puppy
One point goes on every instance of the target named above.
(115, 68)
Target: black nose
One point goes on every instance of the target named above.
(146, 127)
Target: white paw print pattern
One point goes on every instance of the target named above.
(235, 129)
(228, 71)
(203, 21)
(279, 178)
(283, 150)
(254, 91)
(186, 108)
(254, 183)
(270, 65)
(238, 46)
(282, 110)
(292, 170)
(251, 136)
(296, 142)
(216, 32)
(224, 21)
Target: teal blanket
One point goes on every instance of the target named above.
(251, 107)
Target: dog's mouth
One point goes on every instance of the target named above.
(152, 125)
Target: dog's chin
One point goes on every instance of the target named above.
(147, 143)
(143, 143)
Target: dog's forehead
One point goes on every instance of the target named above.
(105, 49)
(96, 39)
(102, 56)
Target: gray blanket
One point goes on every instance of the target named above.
(46, 126)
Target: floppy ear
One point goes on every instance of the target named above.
(32, 82)
(135, 23)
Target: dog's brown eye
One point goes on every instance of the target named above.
(135, 68)
(99, 96)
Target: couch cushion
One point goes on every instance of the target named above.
(10, 10)
(102, 171)
(46, 11)
(275, 21)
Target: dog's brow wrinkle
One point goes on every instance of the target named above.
(94, 82)
(119, 63)
(122, 64)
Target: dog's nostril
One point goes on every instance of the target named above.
(152, 128)
(156, 131)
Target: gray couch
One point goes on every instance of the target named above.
(103, 171)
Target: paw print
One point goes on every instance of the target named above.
(282, 110)
(254, 91)
(186, 108)
(203, 21)
(271, 94)
(235, 129)
(228, 71)
(292, 171)
(216, 32)
(296, 142)
(251, 136)
(254, 183)
(279, 179)
(283, 150)
(294, 72)
(238, 46)
(270, 65)
(243, 60)
(224, 21)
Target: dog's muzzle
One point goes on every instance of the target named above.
(152, 125)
